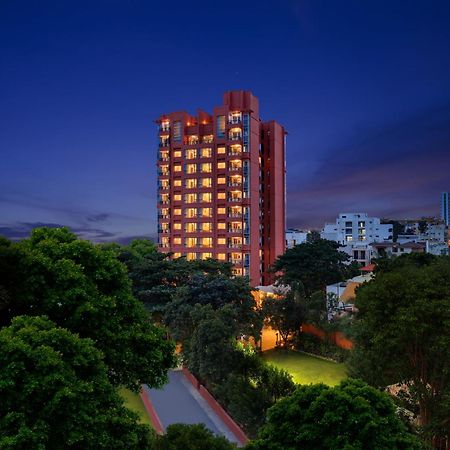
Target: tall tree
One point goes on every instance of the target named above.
(314, 264)
(55, 392)
(351, 416)
(402, 335)
(286, 314)
(86, 290)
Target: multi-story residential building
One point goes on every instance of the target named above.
(295, 237)
(355, 232)
(221, 186)
(445, 208)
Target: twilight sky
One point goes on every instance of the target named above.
(363, 88)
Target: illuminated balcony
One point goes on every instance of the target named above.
(208, 139)
(164, 141)
(192, 140)
(235, 134)
(164, 126)
(234, 117)
(235, 150)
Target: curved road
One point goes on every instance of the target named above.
(179, 402)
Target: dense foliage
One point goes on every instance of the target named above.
(351, 416)
(402, 335)
(314, 264)
(55, 392)
(190, 437)
(85, 289)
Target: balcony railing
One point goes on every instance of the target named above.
(164, 128)
(234, 199)
(235, 184)
(234, 245)
(164, 143)
(164, 202)
(235, 261)
(163, 216)
(234, 119)
(235, 136)
(235, 215)
(234, 230)
(163, 158)
(234, 153)
(235, 168)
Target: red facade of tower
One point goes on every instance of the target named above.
(221, 186)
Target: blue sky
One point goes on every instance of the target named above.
(363, 89)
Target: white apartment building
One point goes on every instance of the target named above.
(355, 232)
(295, 237)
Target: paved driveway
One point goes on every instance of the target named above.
(179, 402)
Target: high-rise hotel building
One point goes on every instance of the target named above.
(221, 186)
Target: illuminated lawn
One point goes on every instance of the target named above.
(134, 402)
(306, 369)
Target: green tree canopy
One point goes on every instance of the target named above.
(402, 335)
(55, 392)
(286, 314)
(85, 289)
(190, 437)
(350, 416)
(314, 264)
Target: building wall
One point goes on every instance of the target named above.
(295, 237)
(242, 159)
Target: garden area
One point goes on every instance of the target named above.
(306, 369)
(133, 401)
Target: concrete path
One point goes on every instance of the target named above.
(179, 402)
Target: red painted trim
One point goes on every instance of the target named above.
(154, 419)
(212, 402)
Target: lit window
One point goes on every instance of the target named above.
(235, 149)
(177, 168)
(235, 134)
(190, 198)
(177, 153)
(221, 180)
(221, 226)
(190, 227)
(206, 212)
(177, 183)
(177, 241)
(190, 212)
(206, 167)
(191, 168)
(177, 212)
(205, 182)
(177, 255)
(235, 117)
(206, 197)
(221, 256)
(206, 255)
(206, 242)
(206, 152)
(191, 153)
(193, 139)
(221, 165)
(221, 150)
(221, 241)
(190, 242)
(191, 256)
(221, 210)
(177, 197)
(177, 226)
(221, 196)
(206, 226)
(191, 183)
(207, 139)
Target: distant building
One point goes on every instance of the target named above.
(390, 249)
(295, 237)
(445, 208)
(355, 232)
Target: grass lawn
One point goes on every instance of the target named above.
(134, 402)
(306, 369)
